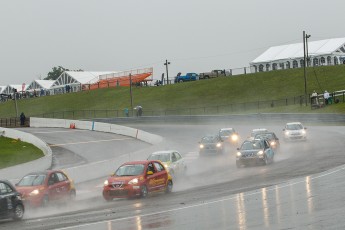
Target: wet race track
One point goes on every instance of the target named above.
(295, 192)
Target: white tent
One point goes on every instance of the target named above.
(75, 79)
(323, 52)
(9, 89)
(2, 87)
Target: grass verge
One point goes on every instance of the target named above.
(15, 152)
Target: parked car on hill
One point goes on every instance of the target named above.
(188, 77)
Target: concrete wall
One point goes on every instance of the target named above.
(96, 126)
(16, 172)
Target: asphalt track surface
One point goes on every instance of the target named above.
(295, 192)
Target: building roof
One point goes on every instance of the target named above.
(2, 87)
(46, 84)
(292, 51)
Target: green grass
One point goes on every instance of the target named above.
(263, 86)
(15, 152)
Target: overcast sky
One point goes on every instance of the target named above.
(194, 35)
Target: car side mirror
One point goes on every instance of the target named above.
(149, 173)
(238, 148)
(305, 127)
(283, 129)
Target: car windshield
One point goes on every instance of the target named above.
(32, 180)
(164, 157)
(294, 126)
(209, 139)
(226, 132)
(130, 170)
(251, 145)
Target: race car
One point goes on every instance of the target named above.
(40, 188)
(172, 161)
(229, 135)
(257, 131)
(211, 145)
(11, 204)
(271, 137)
(295, 131)
(257, 151)
(137, 179)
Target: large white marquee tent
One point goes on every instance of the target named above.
(323, 52)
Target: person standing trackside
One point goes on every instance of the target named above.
(22, 119)
(326, 97)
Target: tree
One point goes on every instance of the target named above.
(55, 73)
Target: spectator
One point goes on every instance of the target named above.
(326, 97)
(126, 111)
(22, 119)
(314, 99)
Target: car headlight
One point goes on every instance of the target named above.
(287, 133)
(260, 152)
(234, 137)
(303, 132)
(239, 154)
(34, 192)
(106, 183)
(273, 143)
(133, 181)
(166, 165)
(219, 144)
(201, 146)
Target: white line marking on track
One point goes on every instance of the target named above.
(208, 203)
(63, 131)
(87, 142)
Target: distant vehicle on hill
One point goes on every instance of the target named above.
(213, 74)
(188, 77)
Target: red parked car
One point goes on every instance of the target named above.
(137, 178)
(40, 188)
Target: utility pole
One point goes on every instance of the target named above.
(304, 69)
(166, 66)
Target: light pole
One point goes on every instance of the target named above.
(166, 67)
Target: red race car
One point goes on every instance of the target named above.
(40, 188)
(137, 178)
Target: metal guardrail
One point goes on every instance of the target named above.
(14, 122)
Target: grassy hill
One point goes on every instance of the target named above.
(263, 86)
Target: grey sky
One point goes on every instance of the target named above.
(194, 35)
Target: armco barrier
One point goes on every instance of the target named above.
(99, 169)
(16, 172)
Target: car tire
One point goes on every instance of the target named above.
(169, 187)
(143, 191)
(18, 212)
(180, 81)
